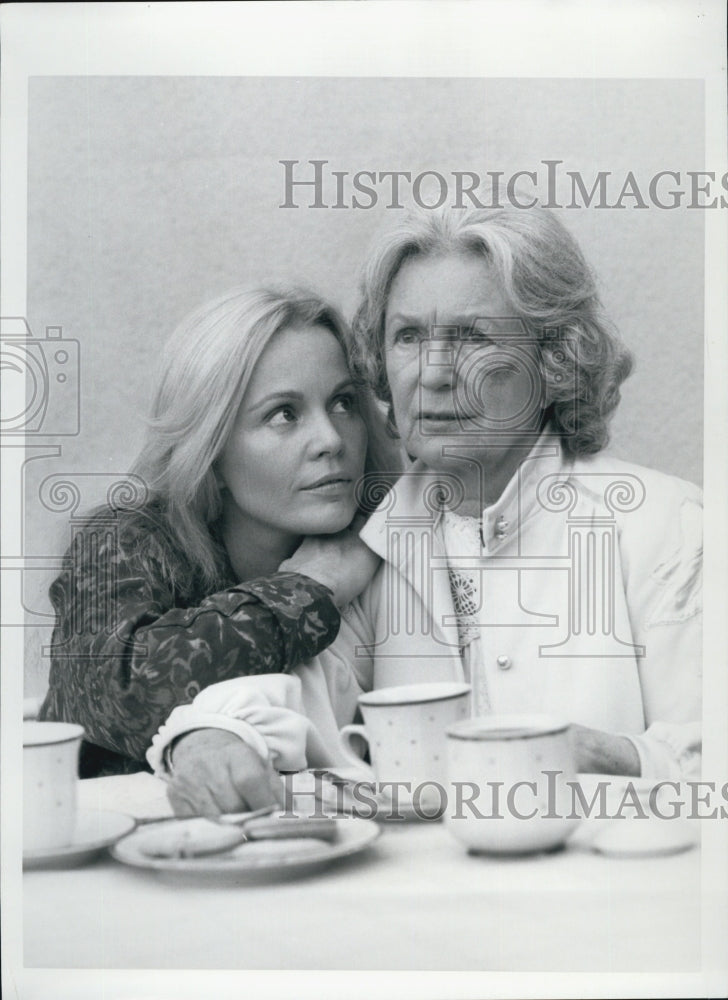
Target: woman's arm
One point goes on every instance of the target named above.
(123, 656)
(267, 713)
(216, 772)
(222, 746)
(226, 746)
(664, 593)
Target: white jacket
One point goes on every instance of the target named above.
(590, 581)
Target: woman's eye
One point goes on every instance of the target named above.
(407, 336)
(344, 403)
(281, 416)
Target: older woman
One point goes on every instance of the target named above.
(516, 554)
(552, 575)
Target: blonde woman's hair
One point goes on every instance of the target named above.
(553, 291)
(206, 367)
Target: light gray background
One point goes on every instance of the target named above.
(149, 195)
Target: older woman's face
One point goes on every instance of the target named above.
(463, 372)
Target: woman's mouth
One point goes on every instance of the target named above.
(328, 484)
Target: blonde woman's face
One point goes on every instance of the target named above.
(298, 445)
(462, 369)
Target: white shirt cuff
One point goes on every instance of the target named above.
(669, 751)
(185, 719)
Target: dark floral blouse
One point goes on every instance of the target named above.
(136, 635)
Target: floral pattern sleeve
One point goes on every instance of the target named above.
(125, 653)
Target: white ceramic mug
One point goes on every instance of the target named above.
(507, 787)
(405, 728)
(50, 776)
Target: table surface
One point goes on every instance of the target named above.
(413, 900)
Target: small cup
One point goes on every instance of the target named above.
(405, 729)
(508, 791)
(50, 776)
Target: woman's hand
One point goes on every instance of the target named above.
(596, 752)
(214, 771)
(341, 562)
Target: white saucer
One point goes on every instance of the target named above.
(264, 858)
(95, 830)
(644, 838)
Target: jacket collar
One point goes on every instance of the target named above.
(520, 501)
(414, 506)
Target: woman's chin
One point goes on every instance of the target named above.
(329, 523)
(443, 452)
(448, 452)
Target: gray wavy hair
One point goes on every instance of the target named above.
(552, 290)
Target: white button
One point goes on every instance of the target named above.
(504, 662)
(501, 527)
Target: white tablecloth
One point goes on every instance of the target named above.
(414, 900)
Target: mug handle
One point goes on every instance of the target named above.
(353, 730)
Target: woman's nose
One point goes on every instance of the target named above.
(325, 438)
(437, 365)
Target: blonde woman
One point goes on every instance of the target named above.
(257, 440)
